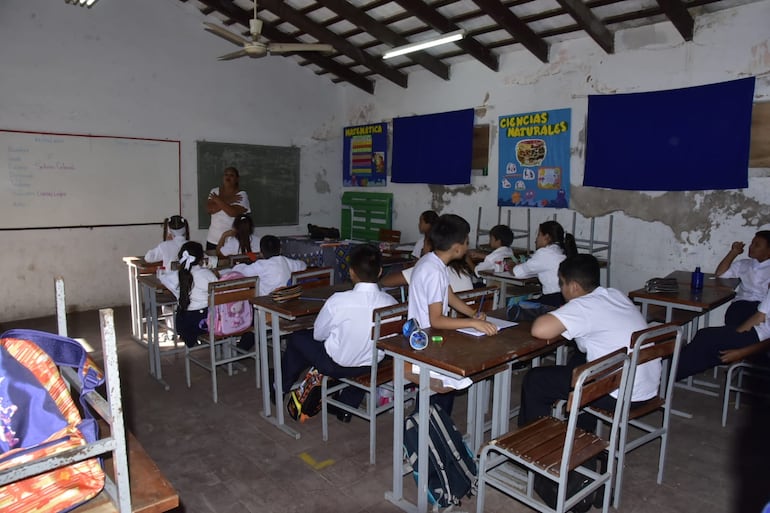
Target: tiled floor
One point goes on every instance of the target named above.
(225, 458)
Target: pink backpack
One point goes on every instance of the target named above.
(234, 317)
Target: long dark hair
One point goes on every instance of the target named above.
(195, 250)
(556, 234)
(243, 227)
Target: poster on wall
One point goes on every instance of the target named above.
(534, 159)
(364, 155)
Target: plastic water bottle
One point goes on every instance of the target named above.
(696, 283)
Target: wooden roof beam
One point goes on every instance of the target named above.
(679, 15)
(515, 27)
(438, 22)
(590, 23)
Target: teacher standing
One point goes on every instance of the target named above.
(224, 204)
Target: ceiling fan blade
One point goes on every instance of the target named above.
(225, 34)
(299, 47)
(234, 55)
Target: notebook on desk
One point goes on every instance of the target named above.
(500, 323)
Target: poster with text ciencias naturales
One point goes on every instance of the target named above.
(534, 159)
(364, 155)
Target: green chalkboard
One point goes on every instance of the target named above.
(269, 174)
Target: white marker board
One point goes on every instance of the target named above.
(64, 180)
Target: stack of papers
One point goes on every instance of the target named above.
(500, 323)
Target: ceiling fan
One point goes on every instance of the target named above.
(255, 48)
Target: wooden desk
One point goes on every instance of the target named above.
(150, 490)
(154, 295)
(521, 286)
(137, 267)
(458, 356)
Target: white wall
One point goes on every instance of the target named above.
(653, 234)
(146, 68)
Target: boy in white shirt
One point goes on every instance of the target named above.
(601, 321)
(340, 344)
(500, 240)
(754, 273)
(273, 269)
(429, 294)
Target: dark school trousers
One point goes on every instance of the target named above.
(702, 353)
(303, 351)
(188, 325)
(739, 311)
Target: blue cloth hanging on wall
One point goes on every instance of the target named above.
(696, 138)
(435, 148)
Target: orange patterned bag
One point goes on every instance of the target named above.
(38, 419)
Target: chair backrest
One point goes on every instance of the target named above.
(663, 341)
(474, 297)
(388, 321)
(239, 289)
(386, 235)
(591, 381)
(313, 277)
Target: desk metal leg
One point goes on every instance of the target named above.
(396, 495)
(150, 301)
(422, 437)
(501, 402)
(278, 420)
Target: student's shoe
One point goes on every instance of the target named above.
(342, 415)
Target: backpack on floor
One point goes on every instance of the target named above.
(305, 401)
(235, 317)
(451, 465)
(38, 419)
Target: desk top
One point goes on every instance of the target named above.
(465, 355)
(309, 303)
(510, 278)
(715, 292)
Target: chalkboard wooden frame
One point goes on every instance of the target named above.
(269, 174)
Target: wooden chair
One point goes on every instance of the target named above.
(313, 277)
(392, 236)
(486, 297)
(658, 342)
(552, 448)
(223, 350)
(739, 370)
(388, 322)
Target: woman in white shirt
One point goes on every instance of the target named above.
(224, 204)
(240, 240)
(552, 247)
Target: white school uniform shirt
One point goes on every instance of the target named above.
(544, 264)
(498, 255)
(344, 324)
(601, 322)
(458, 282)
(232, 247)
(417, 251)
(167, 251)
(273, 272)
(199, 295)
(429, 284)
(220, 221)
(754, 276)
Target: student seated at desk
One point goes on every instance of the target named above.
(754, 273)
(500, 240)
(714, 346)
(426, 220)
(429, 294)
(552, 246)
(340, 344)
(600, 320)
(240, 240)
(460, 274)
(273, 269)
(176, 232)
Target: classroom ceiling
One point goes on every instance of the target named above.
(361, 31)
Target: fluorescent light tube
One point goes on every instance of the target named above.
(422, 45)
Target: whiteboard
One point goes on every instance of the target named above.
(64, 180)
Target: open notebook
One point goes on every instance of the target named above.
(500, 323)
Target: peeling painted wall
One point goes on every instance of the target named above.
(653, 233)
(66, 69)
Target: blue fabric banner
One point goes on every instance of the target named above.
(696, 138)
(435, 148)
(534, 159)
